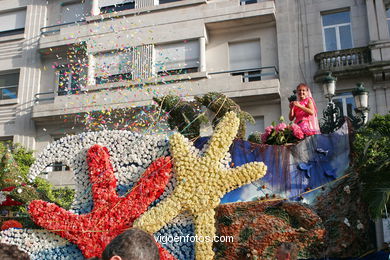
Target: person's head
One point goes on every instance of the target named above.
(286, 251)
(132, 244)
(302, 91)
(12, 252)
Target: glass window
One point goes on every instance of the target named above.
(109, 6)
(346, 103)
(9, 86)
(69, 79)
(337, 31)
(247, 2)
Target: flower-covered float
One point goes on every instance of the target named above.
(171, 187)
(123, 180)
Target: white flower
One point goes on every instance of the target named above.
(346, 222)
(347, 189)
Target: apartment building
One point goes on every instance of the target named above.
(60, 60)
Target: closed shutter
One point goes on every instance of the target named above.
(180, 55)
(73, 12)
(12, 20)
(244, 55)
(113, 63)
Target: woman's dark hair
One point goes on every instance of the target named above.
(132, 244)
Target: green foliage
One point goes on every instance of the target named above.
(226, 220)
(255, 138)
(245, 234)
(184, 116)
(220, 105)
(63, 197)
(187, 117)
(14, 167)
(372, 162)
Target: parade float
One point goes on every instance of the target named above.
(262, 195)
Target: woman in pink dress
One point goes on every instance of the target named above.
(304, 111)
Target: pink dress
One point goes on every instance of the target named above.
(308, 123)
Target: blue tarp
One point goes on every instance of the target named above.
(292, 169)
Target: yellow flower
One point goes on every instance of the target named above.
(201, 184)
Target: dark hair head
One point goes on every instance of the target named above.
(132, 244)
(12, 252)
(289, 248)
(302, 85)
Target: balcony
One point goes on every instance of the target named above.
(345, 63)
(185, 18)
(256, 83)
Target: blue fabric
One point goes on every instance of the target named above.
(291, 169)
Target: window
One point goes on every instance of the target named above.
(388, 19)
(9, 86)
(12, 23)
(109, 6)
(346, 103)
(337, 31)
(177, 58)
(69, 79)
(168, 1)
(257, 127)
(114, 66)
(73, 12)
(59, 166)
(248, 2)
(245, 60)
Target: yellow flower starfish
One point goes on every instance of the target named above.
(201, 182)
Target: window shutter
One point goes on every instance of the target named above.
(179, 55)
(12, 20)
(73, 12)
(113, 63)
(244, 55)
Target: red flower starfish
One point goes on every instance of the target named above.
(111, 214)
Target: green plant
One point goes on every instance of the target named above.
(372, 163)
(184, 116)
(220, 104)
(245, 234)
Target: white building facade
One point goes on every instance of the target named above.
(63, 59)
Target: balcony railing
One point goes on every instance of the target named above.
(253, 74)
(343, 59)
(54, 29)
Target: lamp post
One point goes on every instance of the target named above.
(360, 95)
(331, 120)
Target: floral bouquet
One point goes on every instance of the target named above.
(279, 134)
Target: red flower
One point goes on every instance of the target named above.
(111, 214)
(11, 224)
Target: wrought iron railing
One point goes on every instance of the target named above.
(343, 59)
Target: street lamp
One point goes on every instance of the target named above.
(331, 120)
(360, 95)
